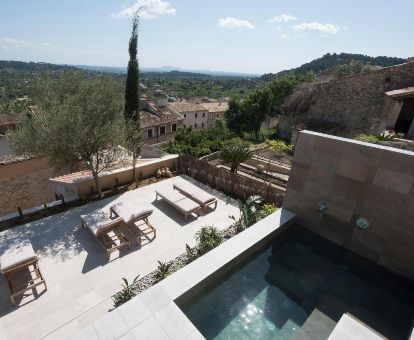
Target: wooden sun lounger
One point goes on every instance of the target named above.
(196, 194)
(135, 219)
(180, 202)
(106, 231)
(20, 265)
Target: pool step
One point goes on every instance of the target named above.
(288, 330)
(318, 326)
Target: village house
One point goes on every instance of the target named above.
(158, 123)
(199, 114)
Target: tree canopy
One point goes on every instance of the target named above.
(199, 142)
(76, 119)
(247, 115)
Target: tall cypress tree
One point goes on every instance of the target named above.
(131, 109)
(132, 81)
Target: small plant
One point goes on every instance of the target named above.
(208, 238)
(386, 136)
(368, 139)
(163, 270)
(127, 293)
(191, 253)
(266, 210)
(249, 211)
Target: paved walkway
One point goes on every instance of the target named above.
(80, 280)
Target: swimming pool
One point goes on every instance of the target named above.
(301, 284)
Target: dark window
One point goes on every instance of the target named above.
(204, 114)
(202, 124)
(195, 125)
(162, 130)
(149, 133)
(173, 127)
(195, 115)
(185, 116)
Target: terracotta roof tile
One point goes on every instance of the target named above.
(166, 116)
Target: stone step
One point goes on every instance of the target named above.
(318, 326)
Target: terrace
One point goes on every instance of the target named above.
(79, 278)
(335, 262)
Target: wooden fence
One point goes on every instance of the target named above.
(231, 184)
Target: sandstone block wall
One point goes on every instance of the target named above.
(356, 180)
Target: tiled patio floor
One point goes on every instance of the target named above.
(80, 280)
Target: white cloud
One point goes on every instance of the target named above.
(284, 35)
(11, 42)
(317, 27)
(148, 9)
(283, 18)
(235, 23)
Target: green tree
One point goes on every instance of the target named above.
(235, 154)
(258, 106)
(76, 119)
(131, 108)
(234, 116)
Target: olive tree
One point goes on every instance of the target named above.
(76, 119)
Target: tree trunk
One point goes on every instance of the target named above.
(233, 169)
(97, 184)
(134, 161)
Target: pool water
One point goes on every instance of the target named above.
(298, 288)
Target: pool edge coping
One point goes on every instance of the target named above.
(155, 311)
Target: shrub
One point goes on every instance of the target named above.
(267, 134)
(208, 238)
(163, 270)
(127, 293)
(280, 146)
(191, 253)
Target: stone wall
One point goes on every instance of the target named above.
(26, 190)
(356, 180)
(357, 104)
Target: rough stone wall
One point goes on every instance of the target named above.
(28, 190)
(358, 103)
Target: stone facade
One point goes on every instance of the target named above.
(354, 104)
(355, 180)
(25, 184)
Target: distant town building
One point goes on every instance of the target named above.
(199, 114)
(158, 122)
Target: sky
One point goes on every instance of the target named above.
(259, 36)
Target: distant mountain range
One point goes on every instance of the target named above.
(167, 69)
(329, 61)
(326, 62)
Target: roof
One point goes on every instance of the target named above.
(148, 119)
(9, 159)
(216, 107)
(11, 118)
(401, 93)
(185, 106)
